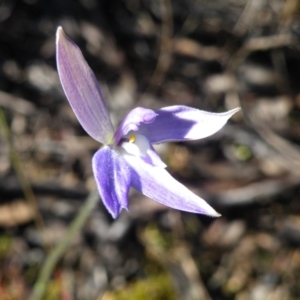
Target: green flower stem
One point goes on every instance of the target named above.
(17, 165)
(53, 258)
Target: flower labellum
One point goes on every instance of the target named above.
(127, 158)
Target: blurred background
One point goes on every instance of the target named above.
(212, 55)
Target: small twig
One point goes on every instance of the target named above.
(52, 260)
(197, 289)
(16, 104)
(164, 59)
(286, 149)
(259, 44)
(288, 152)
(247, 17)
(179, 264)
(188, 47)
(253, 192)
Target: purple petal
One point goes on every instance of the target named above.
(133, 120)
(113, 179)
(182, 123)
(82, 89)
(159, 185)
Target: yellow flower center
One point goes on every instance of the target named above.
(132, 138)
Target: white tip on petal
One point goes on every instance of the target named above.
(182, 123)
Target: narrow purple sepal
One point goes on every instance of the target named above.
(132, 121)
(182, 123)
(157, 184)
(82, 89)
(113, 178)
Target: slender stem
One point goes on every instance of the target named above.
(17, 165)
(53, 258)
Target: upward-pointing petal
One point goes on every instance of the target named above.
(82, 89)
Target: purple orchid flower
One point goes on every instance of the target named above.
(127, 158)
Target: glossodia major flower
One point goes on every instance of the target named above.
(127, 158)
